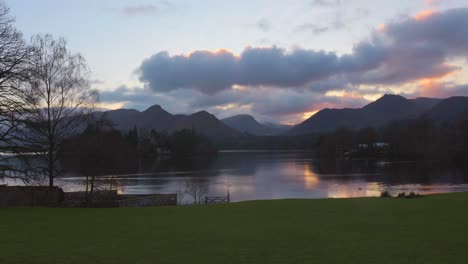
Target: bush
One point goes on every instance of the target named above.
(412, 195)
(385, 194)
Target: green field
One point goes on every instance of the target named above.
(432, 229)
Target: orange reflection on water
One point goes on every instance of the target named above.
(365, 189)
(311, 179)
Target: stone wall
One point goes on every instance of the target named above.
(27, 196)
(148, 200)
(97, 199)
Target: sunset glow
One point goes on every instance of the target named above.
(111, 106)
(308, 114)
(192, 57)
(381, 27)
(425, 14)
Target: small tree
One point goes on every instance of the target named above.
(180, 193)
(197, 188)
(58, 100)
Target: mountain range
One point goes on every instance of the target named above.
(385, 109)
(158, 119)
(247, 124)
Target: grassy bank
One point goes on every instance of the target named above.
(432, 229)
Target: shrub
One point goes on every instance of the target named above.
(412, 195)
(385, 194)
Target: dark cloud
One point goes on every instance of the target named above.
(417, 48)
(274, 82)
(407, 63)
(404, 51)
(446, 31)
(211, 72)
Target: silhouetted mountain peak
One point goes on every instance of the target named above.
(450, 109)
(388, 102)
(244, 116)
(387, 108)
(156, 118)
(203, 113)
(247, 124)
(392, 97)
(241, 117)
(155, 108)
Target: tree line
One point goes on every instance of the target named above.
(102, 149)
(420, 138)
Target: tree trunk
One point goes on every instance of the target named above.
(51, 165)
(91, 192)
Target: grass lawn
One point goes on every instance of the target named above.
(433, 229)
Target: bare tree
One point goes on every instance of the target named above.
(197, 188)
(58, 100)
(14, 69)
(181, 191)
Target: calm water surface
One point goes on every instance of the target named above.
(276, 175)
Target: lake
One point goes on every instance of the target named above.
(254, 175)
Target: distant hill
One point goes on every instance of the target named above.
(383, 110)
(248, 124)
(281, 128)
(158, 119)
(448, 110)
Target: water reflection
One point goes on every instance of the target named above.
(311, 179)
(265, 175)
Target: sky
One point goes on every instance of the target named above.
(280, 61)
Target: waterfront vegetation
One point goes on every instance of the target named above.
(431, 229)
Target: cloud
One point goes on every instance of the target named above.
(272, 105)
(274, 84)
(325, 3)
(265, 103)
(430, 88)
(315, 29)
(419, 48)
(264, 25)
(140, 98)
(433, 2)
(445, 31)
(145, 9)
(404, 51)
(211, 72)
(140, 10)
